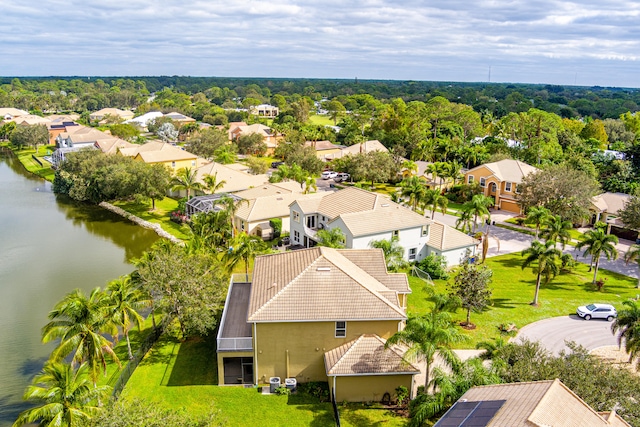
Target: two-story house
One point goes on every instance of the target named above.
(317, 314)
(164, 153)
(500, 181)
(363, 217)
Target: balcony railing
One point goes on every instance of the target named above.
(235, 344)
(241, 278)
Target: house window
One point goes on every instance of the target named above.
(341, 329)
(242, 226)
(395, 233)
(507, 186)
(470, 179)
(425, 230)
(296, 236)
(193, 162)
(173, 164)
(412, 254)
(296, 216)
(518, 188)
(483, 182)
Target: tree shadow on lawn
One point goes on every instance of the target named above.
(322, 412)
(195, 363)
(502, 303)
(161, 353)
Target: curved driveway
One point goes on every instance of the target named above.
(554, 332)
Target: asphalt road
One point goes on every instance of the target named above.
(555, 332)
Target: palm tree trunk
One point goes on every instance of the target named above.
(126, 335)
(426, 377)
(595, 270)
(535, 295)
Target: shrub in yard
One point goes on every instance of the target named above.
(282, 391)
(435, 265)
(317, 389)
(276, 224)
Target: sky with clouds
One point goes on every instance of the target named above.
(588, 42)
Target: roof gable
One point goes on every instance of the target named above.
(312, 285)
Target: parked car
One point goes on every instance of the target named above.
(342, 177)
(274, 165)
(329, 174)
(597, 311)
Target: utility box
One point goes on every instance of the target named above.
(274, 383)
(291, 384)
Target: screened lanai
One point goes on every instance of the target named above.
(207, 203)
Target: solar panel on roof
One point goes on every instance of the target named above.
(470, 414)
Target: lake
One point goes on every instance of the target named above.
(49, 245)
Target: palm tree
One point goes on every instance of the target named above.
(331, 238)
(556, 230)
(393, 252)
(478, 207)
(78, 321)
(434, 200)
(633, 255)
(211, 183)
(310, 184)
(427, 335)
(66, 396)
(597, 242)
(463, 223)
(414, 189)
(186, 179)
(409, 168)
(244, 247)
(491, 348)
(545, 256)
(627, 325)
(537, 215)
(225, 155)
(125, 301)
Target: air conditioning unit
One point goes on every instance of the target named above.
(291, 384)
(274, 383)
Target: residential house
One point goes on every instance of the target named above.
(143, 121)
(268, 135)
(317, 314)
(171, 156)
(253, 215)
(230, 128)
(31, 119)
(235, 180)
(8, 113)
(359, 148)
(58, 126)
(363, 216)
(500, 181)
(76, 138)
(525, 404)
(180, 118)
(264, 110)
(101, 115)
(605, 207)
(325, 150)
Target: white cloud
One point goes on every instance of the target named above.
(546, 41)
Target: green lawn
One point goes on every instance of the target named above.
(513, 290)
(26, 158)
(320, 120)
(158, 216)
(184, 374)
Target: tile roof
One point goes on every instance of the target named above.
(318, 284)
(367, 355)
(323, 145)
(235, 179)
(111, 146)
(268, 189)
(508, 170)
(443, 237)
(13, 112)
(539, 403)
(372, 261)
(158, 152)
(610, 202)
(125, 114)
(347, 200)
(386, 216)
(31, 119)
(363, 147)
(267, 207)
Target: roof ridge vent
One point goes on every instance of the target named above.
(323, 269)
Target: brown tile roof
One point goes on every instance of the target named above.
(443, 237)
(367, 355)
(318, 284)
(540, 403)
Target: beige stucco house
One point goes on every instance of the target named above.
(500, 180)
(317, 314)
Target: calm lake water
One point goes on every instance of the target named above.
(48, 247)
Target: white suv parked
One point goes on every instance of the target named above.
(329, 174)
(597, 311)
